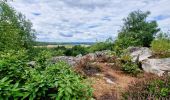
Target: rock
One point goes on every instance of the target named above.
(97, 56)
(79, 56)
(68, 59)
(156, 66)
(109, 81)
(90, 56)
(140, 53)
(32, 63)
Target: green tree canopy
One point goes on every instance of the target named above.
(15, 31)
(137, 29)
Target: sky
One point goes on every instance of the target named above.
(87, 20)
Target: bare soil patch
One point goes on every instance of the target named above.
(98, 72)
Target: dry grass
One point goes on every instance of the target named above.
(139, 88)
(98, 72)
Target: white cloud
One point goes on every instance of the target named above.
(86, 20)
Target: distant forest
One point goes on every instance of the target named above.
(63, 43)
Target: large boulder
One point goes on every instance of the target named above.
(140, 53)
(156, 66)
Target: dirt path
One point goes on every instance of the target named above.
(109, 83)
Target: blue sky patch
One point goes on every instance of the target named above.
(36, 14)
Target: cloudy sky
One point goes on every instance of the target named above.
(87, 20)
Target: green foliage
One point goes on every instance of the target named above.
(159, 87)
(16, 32)
(101, 46)
(161, 46)
(123, 43)
(136, 30)
(43, 59)
(70, 84)
(57, 51)
(76, 50)
(45, 81)
(131, 68)
(128, 66)
(12, 64)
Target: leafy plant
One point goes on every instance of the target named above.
(45, 81)
(13, 64)
(43, 59)
(128, 66)
(131, 68)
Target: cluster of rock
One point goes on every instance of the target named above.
(156, 66)
(142, 54)
(68, 59)
(72, 61)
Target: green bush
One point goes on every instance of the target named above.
(124, 43)
(131, 68)
(161, 47)
(12, 64)
(101, 46)
(43, 59)
(76, 50)
(53, 81)
(128, 66)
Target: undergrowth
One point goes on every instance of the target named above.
(50, 81)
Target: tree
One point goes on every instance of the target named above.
(15, 31)
(137, 28)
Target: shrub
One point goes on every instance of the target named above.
(70, 85)
(131, 68)
(128, 66)
(43, 59)
(161, 47)
(50, 81)
(101, 46)
(76, 50)
(57, 51)
(12, 64)
(151, 87)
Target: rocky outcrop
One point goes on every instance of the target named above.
(97, 56)
(140, 53)
(68, 59)
(156, 66)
